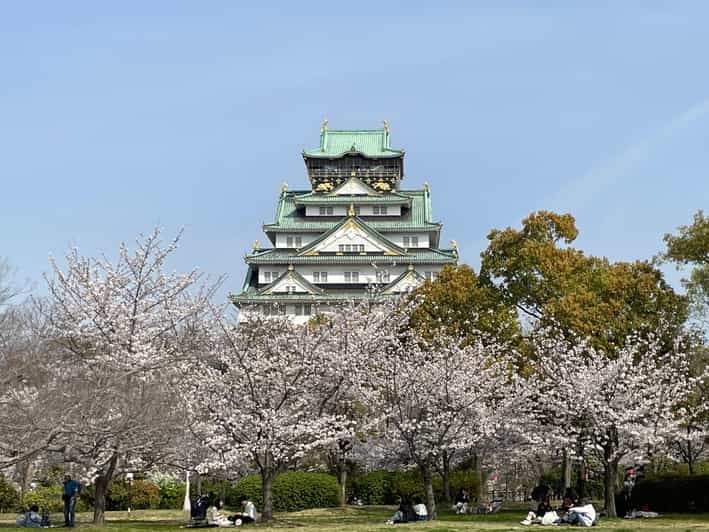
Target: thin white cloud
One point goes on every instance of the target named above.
(593, 183)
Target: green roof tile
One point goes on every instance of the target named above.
(314, 198)
(418, 217)
(335, 143)
(251, 296)
(286, 256)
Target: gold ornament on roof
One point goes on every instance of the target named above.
(426, 187)
(325, 186)
(290, 268)
(454, 246)
(351, 211)
(323, 128)
(284, 187)
(411, 267)
(381, 186)
(256, 246)
(386, 125)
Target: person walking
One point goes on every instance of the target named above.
(70, 494)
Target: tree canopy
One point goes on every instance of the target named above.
(458, 304)
(549, 281)
(690, 247)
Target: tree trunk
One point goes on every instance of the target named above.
(427, 474)
(566, 471)
(482, 485)
(101, 490)
(446, 477)
(690, 455)
(267, 493)
(101, 487)
(581, 475)
(610, 474)
(342, 479)
(26, 470)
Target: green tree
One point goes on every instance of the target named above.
(690, 247)
(549, 281)
(457, 303)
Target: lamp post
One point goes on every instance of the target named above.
(129, 478)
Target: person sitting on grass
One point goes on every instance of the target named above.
(404, 513)
(248, 512)
(462, 500)
(582, 515)
(420, 510)
(217, 516)
(30, 518)
(543, 508)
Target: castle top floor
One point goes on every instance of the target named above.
(362, 153)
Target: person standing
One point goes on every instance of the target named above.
(70, 494)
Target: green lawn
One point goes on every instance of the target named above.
(369, 518)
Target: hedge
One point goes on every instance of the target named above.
(673, 494)
(9, 498)
(172, 493)
(386, 487)
(142, 495)
(292, 491)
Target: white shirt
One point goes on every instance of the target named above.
(250, 510)
(420, 509)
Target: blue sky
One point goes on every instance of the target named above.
(116, 117)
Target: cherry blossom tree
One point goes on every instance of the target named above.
(625, 406)
(122, 327)
(259, 397)
(350, 335)
(436, 396)
(32, 392)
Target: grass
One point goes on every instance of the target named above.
(369, 518)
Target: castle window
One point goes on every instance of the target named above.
(319, 277)
(351, 277)
(303, 309)
(289, 241)
(414, 241)
(406, 241)
(266, 277)
(298, 241)
(382, 276)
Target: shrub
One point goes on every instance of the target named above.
(408, 485)
(673, 494)
(143, 495)
(49, 497)
(249, 488)
(467, 480)
(172, 493)
(292, 491)
(223, 489)
(9, 498)
(385, 487)
(373, 488)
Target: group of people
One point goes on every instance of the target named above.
(407, 512)
(70, 494)
(217, 516)
(572, 511)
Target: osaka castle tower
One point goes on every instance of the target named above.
(353, 234)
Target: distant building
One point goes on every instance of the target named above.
(354, 233)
